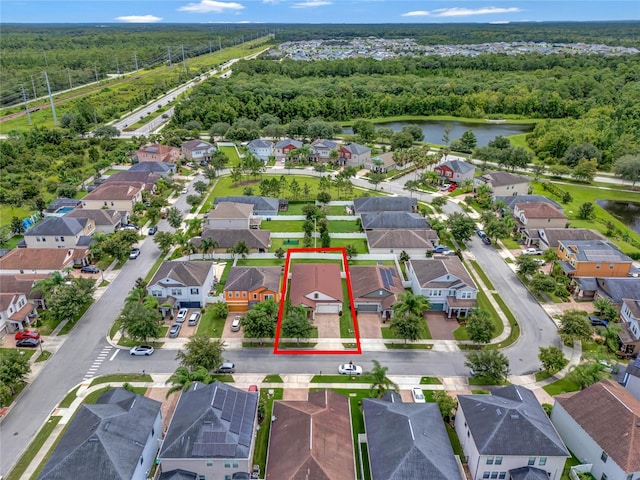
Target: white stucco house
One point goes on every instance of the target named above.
(263, 149)
(182, 284)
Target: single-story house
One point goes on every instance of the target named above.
(284, 146)
(591, 258)
(384, 204)
(106, 221)
(546, 238)
(43, 260)
(538, 215)
(258, 241)
(455, 171)
(311, 439)
(59, 232)
(354, 155)
(504, 183)
(629, 333)
(116, 438)
(381, 163)
(505, 431)
(631, 379)
(600, 426)
(121, 196)
(197, 150)
(247, 286)
(615, 289)
(321, 149)
(162, 168)
(375, 288)
(233, 216)
(186, 283)
(263, 149)
(408, 441)
(263, 206)
(156, 152)
(212, 432)
(317, 286)
(393, 220)
(414, 242)
(445, 282)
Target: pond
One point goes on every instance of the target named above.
(627, 212)
(434, 130)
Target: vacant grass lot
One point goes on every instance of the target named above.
(232, 154)
(296, 209)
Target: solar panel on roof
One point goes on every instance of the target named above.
(385, 279)
(244, 439)
(390, 276)
(229, 405)
(218, 399)
(236, 422)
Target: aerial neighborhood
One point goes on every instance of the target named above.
(272, 295)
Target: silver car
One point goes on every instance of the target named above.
(141, 350)
(174, 331)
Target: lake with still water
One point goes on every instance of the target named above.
(434, 130)
(627, 212)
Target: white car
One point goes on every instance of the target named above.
(184, 190)
(182, 315)
(539, 261)
(350, 369)
(141, 350)
(418, 395)
(531, 251)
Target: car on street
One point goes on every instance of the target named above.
(349, 369)
(445, 187)
(481, 233)
(531, 251)
(227, 367)
(153, 230)
(182, 315)
(486, 240)
(193, 318)
(184, 190)
(28, 343)
(23, 335)
(141, 350)
(418, 395)
(174, 331)
(89, 269)
(235, 325)
(597, 321)
(135, 253)
(441, 249)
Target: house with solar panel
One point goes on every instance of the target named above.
(211, 433)
(376, 288)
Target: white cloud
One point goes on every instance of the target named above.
(311, 4)
(139, 19)
(211, 6)
(271, 2)
(416, 13)
(465, 12)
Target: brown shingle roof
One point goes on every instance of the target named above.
(540, 210)
(99, 216)
(232, 210)
(252, 278)
(429, 270)
(500, 179)
(401, 238)
(40, 258)
(610, 415)
(311, 439)
(115, 191)
(365, 280)
(309, 277)
(189, 274)
(229, 238)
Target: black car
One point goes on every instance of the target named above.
(89, 269)
(153, 230)
(597, 321)
(486, 240)
(28, 343)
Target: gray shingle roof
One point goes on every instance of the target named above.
(430, 273)
(148, 178)
(211, 421)
(160, 167)
(189, 274)
(510, 421)
(389, 220)
(402, 238)
(594, 251)
(356, 148)
(458, 166)
(251, 278)
(260, 143)
(551, 236)
(617, 288)
(196, 145)
(510, 201)
(288, 141)
(633, 368)
(178, 474)
(229, 238)
(111, 433)
(259, 203)
(384, 204)
(408, 441)
(58, 226)
(528, 473)
(499, 179)
(100, 217)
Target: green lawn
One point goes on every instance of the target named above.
(296, 209)
(483, 304)
(570, 462)
(563, 385)
(343, 226)
(69, 398)
(210, 325)
(231, 152)
(430, 381)
(7, 212)
(283, 226)
(122, 377)
(33, 448)
(347, 328)
(262, 436)
(387, 333)
(273, 378)
(259, 262)
(482, 275)
(43, 356)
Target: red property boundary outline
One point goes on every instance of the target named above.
(290, 351)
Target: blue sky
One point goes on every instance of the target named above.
(313, 11)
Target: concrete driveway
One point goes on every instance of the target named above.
(226, 332)
(440, 326)
(369, 325)
(328, 325)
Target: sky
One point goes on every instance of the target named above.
(314, 11)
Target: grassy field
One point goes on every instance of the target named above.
(295, 226)
(563, 385)
(211, 325)
(232, 154)
(7, 212)
(296, 209)
(122, 377)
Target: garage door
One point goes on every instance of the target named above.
(190, 305)
(367, 307)
(437, 307)
(328, 308)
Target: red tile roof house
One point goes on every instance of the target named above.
(316, 286)
(158, 153)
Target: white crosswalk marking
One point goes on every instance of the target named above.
(104, 353)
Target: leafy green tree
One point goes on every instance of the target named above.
(379, 381)
(17, 226)
(201, 351)
(375, 179)
(446, 403)
(279, 253)
(260, 322)
(325, 239)
(585, 151)
(67, 301)
(409, 303)
(194, 200)
(407, 326)
(294, 188)
(575, 325)
(174, 217)
(461, 227)
(106, 131)
(586, 211)
(585, 170)
(491, 366)
(220, 309)
(183, 378)
(480, 326)
(401, 140)
(200, 187)
(606, 309)
(240, 248)
(627, 167)
(210, 174)
(5, 395)
(164, 240)
(351, 251)
(14, 368)
(324, 197)
(404, 257)
(139, 322)
(527, 265)
(439, 202)
(415, 131)
(611, 336)
(587, 373)
(364, 129)
(469, 140)
(296, 324)
(552, 359)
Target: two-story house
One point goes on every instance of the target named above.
(156, 152)
(106, 221)
(247, 286)
(182, 284)
(197, 150)
(504, 183)
(507, 431)
(445, 282)
(43, 260)
(59, 232)
(317, 287)
(393, 220)
(284, 147)
(321, 150)
(149, 179)
(354, 155)
(15, 311)
(232, 216)
(631, 380)
(592, 258)
(121, 196)
(262, 206)
(538, 215)
(455, 171)
(548, 238)
(258, 241)
(164, 169)
(263, 149)
(629, 333)
(375, 288)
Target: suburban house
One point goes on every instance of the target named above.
(15, 311)
(375, 288)
(230, 215)
(263, 206)
(23, 284)
(43, 260)
(59, 232)
(354, 155)
(384, 204)
(504, 183)
(322, 149)
(158, 153)
(60, 206)
(381, 163)
(247, 286)
(392, 220)
(414, 242)
(164, 169)
(317, 286)
(116, 438)
(600, 426)
(311, 439)
(105, 221)
(179, 474)
(505, 431)
(283, 147)
(455, 171)
(591, 258)
(182, 284)
(631, 379)
(445, 282)
(197, 150)
(212, 432)
(258, 241)
(546, 238)
(121, 196)
(613, 288)
(629, 333)
(149, 179)
(263, 149)
(538, 215)
(408, 441)
(510, 201)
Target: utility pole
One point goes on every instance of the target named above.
(33, 84)
(26, 104)
(69, 75)
(117, 67)
(135, 58)
(53, 108)
(170, 65)
(95, 70)
(184, 64)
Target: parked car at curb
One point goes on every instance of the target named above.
(153, 230)
(350, 369)
(227, 367)
(27, 334)
(481, 233)
(141, 350)
(486, 240)
(28, 343)
(418, 395)
(89, 269)
(135, 253)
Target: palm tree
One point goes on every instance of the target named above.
(183, 378)
(410, 303)
(241, 248)
(136, 295)
(47, 286)
(379, 381)
(208, 245)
